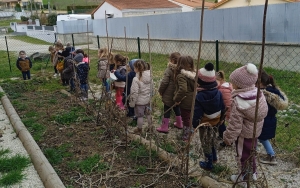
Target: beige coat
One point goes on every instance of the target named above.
(103, 69)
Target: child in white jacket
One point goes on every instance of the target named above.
(140, 94)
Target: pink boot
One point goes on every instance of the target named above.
(164, 128)
(178, 123)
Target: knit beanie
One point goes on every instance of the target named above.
(78, 57)
(131, 63)
(207, 77)
(245, 76)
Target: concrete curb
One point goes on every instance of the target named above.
(46, 172)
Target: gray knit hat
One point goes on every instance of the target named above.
(78, 57)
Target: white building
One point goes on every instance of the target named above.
(126, 8)
(188, 5)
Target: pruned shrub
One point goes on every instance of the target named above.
(52, 18)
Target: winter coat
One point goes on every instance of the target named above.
(277, 100)
(68, 71)
(82, 72)
(141, 89)
(167, 85)
(226, 89)
(184, 86)
(103, 69)
(55, 59)
(122, 77)
(209, 107)
(242, 116)
(122, 70)
(86, 60)
(24, 64)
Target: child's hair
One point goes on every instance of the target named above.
(186, 63)
(267, 79)
(85, 55)
(121, 58)
(22, 51)
(147, 66)
(68, 44)
(51, 48)
(220, 75)
(59, 45)
(78, 51)
(103, 52)
(140, 66)
(174, 57)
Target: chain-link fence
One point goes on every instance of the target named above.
(282, 61)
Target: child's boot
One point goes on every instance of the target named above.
(207, 165)
(164, 128)
(214, 155)
(178, 123)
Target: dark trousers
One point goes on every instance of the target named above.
(26, 74)
(84, 90)
(55, 70)
(222, 129)
(185, 115)
(176, 110)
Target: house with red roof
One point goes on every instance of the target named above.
(127, 8)
(191, 5)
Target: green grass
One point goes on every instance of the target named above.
(62, 5)
(55, 155)
(37, 130)
(6, 23)
(31, 40)
(140, 151)
(72, 116)
(11, 168)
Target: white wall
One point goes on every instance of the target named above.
(100, 13)
(145, 12)
(244, 3)
(184, 7)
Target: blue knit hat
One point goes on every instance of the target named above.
(131, 63)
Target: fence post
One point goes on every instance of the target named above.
(55, 37)
(73, 41)
(98, 41)
(139, 47)
(217, 55)
(8, 54)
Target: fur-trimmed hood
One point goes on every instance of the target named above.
(189, 74)
(275, 100)
(172, 66)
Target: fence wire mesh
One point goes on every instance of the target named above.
(282, 61)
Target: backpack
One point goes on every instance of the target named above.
(60, 65)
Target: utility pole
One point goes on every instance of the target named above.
(49, 8)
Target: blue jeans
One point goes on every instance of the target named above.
(84, 90)
(26, 73)
(267, 145)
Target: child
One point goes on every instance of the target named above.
(242, 117)
(226, 89)
(130, 75)
(103, 69)
(86, 58)
(120, 62)
(68, 71)
(24, 64)
(166, 90)
(277, 100)
(141, 95)
(184, 75)
(82, 73)
(209, 107)
(52, 51)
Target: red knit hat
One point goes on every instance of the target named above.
(245, 76)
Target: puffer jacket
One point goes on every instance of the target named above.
(226, 89)
(277, 100)
(140, 93)
(24, 64)
(241, 121)
(184, 85)
(167, 85)
(82, 72)
(122, 70)
(103, 69)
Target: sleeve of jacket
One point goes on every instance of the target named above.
(182, 88)
(120, 76)
(164, 82)
(69, 67)
(18, 64)
(198, 113)
(134, 92)
(235, 125)
(30, 63)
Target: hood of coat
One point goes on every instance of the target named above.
(189, 74)
(80, 63)
(246, 103)
(172, 66)
(274, 99)
(146, 79)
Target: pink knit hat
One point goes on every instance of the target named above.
(245, 76)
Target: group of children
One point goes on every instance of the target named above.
(217, 102)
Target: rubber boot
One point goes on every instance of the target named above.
(164, 128)
(178, 123)
(214, 155)
(207, 165)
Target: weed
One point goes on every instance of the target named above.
(56, 155)
(220, 169)
(93, 163)
(168, 147)
(11, 178)
(69, 117)
(3, 151)
(141, 170)
(2, 94)
(139, 150)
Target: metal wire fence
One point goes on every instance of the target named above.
(280, 60)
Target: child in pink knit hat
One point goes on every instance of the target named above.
(242, 117)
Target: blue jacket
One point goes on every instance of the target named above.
(270, 121)
(82, 72)
(208, 102)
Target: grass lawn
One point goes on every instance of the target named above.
(62, 5)
(6, 23)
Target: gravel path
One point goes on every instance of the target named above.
(9, 140)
